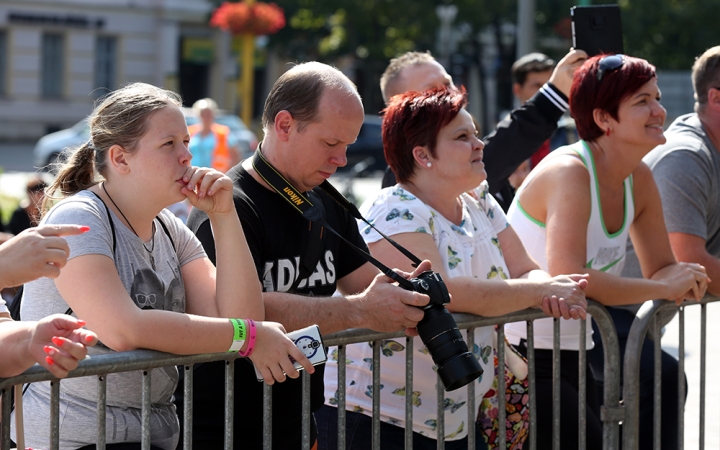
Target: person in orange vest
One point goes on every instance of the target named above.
(212, 144)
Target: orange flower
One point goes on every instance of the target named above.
(240, 18)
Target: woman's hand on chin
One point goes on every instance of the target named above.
(208, 190)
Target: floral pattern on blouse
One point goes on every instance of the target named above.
(468, 248)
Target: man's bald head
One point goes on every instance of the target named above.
(412, 71)
(299, 90)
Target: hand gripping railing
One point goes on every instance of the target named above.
(646, 318)
(612, 413)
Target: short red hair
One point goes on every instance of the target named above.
(414, 119)
(587, 93)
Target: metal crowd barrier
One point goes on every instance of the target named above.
(612, 412)
(648, 320)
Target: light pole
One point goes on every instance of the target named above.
(245, 82)
(525, 27)
(446, 14)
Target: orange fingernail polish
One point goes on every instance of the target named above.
(57, 341)
(49, 360)
(47, 349)
(84, 228)
(89, 338)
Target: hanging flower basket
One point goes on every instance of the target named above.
(257, 19)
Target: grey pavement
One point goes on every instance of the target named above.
(16, 161)
(670, 343)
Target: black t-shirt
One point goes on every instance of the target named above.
(274, 233)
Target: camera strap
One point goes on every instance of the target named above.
(310, 206)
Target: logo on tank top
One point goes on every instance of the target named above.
(280, 275)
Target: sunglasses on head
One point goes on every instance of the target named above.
(609, 63)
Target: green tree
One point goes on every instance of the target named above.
(668, 33)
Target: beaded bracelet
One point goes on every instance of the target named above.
(251, 339)
(239, 335)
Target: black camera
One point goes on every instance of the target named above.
(440, 334)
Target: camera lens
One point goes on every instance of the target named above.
(440, 334)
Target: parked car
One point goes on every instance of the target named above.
(366, 155)
(50, 146)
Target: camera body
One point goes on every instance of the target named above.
(440, 334)
(432, 284)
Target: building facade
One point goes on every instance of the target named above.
(58, 56)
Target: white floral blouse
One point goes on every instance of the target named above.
(471, 248)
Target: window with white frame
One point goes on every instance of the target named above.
(53, 61)
(105, 64)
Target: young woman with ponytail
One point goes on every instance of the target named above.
(140, 278)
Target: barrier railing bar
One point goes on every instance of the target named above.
(440, 391)
(472, 407)
(6, 409)
(306, 414)
(146, 411)
(229, 403)
(532, 403)
(582, 387)
(681, 379)
(187, 406)
(703, 351)
(267, 417)
(101, 408)
(612, 412)
(376, 395)
(502, 412)
(129, 361)
(556, 385)
(146, 360)
(342, 383)
(55, 414)
(631, 369)
(657, 383)
(408, 393)
(19, 423)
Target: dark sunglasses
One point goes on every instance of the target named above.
(609, 63)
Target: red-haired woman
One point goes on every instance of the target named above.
(440, 210)
(577, 208)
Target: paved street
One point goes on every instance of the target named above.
(670, 343)
(16, 161)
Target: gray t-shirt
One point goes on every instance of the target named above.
(159, 288)
(3, 307)
(687, 172)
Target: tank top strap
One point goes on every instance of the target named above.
(583, 151)
(554, 154)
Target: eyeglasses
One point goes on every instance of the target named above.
(609, 63)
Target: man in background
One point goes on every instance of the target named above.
(516, 137)
(529, 74)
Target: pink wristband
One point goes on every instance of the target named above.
(250, 340)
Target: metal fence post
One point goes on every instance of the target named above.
(612, 412)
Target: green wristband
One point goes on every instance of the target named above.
(239, 335)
